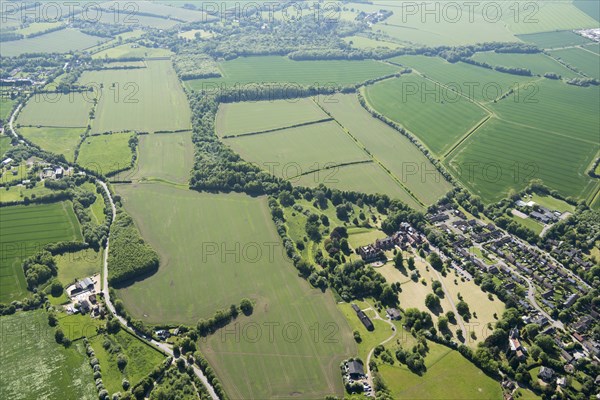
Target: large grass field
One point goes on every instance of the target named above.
(274, 69)
(6, 106)
(78, 265)
(105, 153)
(149, 99)
(390, 148)
(537, 63)
(247, 117)
(34, 366)
(583, 60)
(55, 140)
(436, 115)
(296, 151)
(549, 40)
(362, 42)
(37, 27)
(61, 41)
(5, 142)
(56, 110)
(164, 156)
(192, 233)
(128, 50)
(25, 230)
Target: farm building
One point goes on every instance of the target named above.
(356, 370)
(393, 313)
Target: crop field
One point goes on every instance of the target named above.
(34, 366)
(537, 63)
(247, 117)
(25, 229)
(172, 11)
(437, 116)
(275, 69)
(78, 265)
(61, 41)
(549, 40)
(50, 110)
(141, 359)
(55, 140)
(105, 153)
(130, 17)
(446, 369)
(167, 156)
(296, 151)
(583, 60)
(129, 50)
(149, 99)
(591, 8)
(190, 230)
(390, 148)
(6, 106)
(475, 83)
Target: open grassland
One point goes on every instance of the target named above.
(390, 148)
(130, 17)
(78, 265)
(37, 27)
(247, 117)
(5, 143)
(530, 223)
(61, 41)
(585, 61)
(6, 106)
(537, 63)
(141, 359)
(171, 11)
(19, 192)
(55, 140)
(56, 110)
(34, 366)
(105, 154)
(370, 339)
(436, 115)
(134, 34)
(128, 50)
(550, 40)
(192, 233)
(591, 8)
(274, 69)
(164, 156)
(361, 42)
(552, 203)
(449, 376)
(475, 83)
(149, 99)
(296, 151)
(25, 230)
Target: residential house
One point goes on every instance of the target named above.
(393, 313)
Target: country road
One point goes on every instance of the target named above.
(394, 331)
(162, 346)
(12, 120)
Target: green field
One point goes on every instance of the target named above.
(538, 64)
(549, 40)
(149, 99)
(361, 42)
(247, 71)
(591, 8)
(585, 61)
(37, 27)
(247, 117)
(130, 17)
(292, 152)
(391, 149)
(5, 143)
(128, 50)
(19, 192)
(6, 106)
(141, 359)
(164, 156)
(105, 154)
(78, 265)
(56, 110)
(552, 203)
(529, 223)
(436, 115)
(25, 229)
(34, 366)
(61, 41)
(185, 227)
(55, 140)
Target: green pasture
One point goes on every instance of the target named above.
(55, 140)
(78, 265)
(105, 154)
(538, 63)
(583, 60)
(549, 40)
(56, 110)
(61, 41)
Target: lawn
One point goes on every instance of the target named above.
(141, 359)
(552, 203)
(129, 50)
(61, 41)
(6, 107)
(55, 140)
(295, 151)
(363, 236)
(583, 60)
(537, 63)
(105, 154)
(247, 71)
(247, 117)
(201, 271)
(25, 229)
(391, 149)
(19, 192)
(78, 265)
(529, 223)
(436, 115)
(149, 99)
(164, 156)
(56, 110)
(549, 40)
(5, 143)
(361, 42)
(34, 366)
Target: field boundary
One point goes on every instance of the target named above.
(345, 164)
(466, 136)
(316, 122)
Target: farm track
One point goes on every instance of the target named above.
(466, 136)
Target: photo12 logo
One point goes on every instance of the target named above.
(116, 12)
(271, 11)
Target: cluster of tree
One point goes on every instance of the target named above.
(176, 383)
(8, 36)
(356, 280)
(140, 390)
(223, 317)
(129, 256)
(583, 82)
(39, 268)
(210, 375)
(190, 64)
(101, 29)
